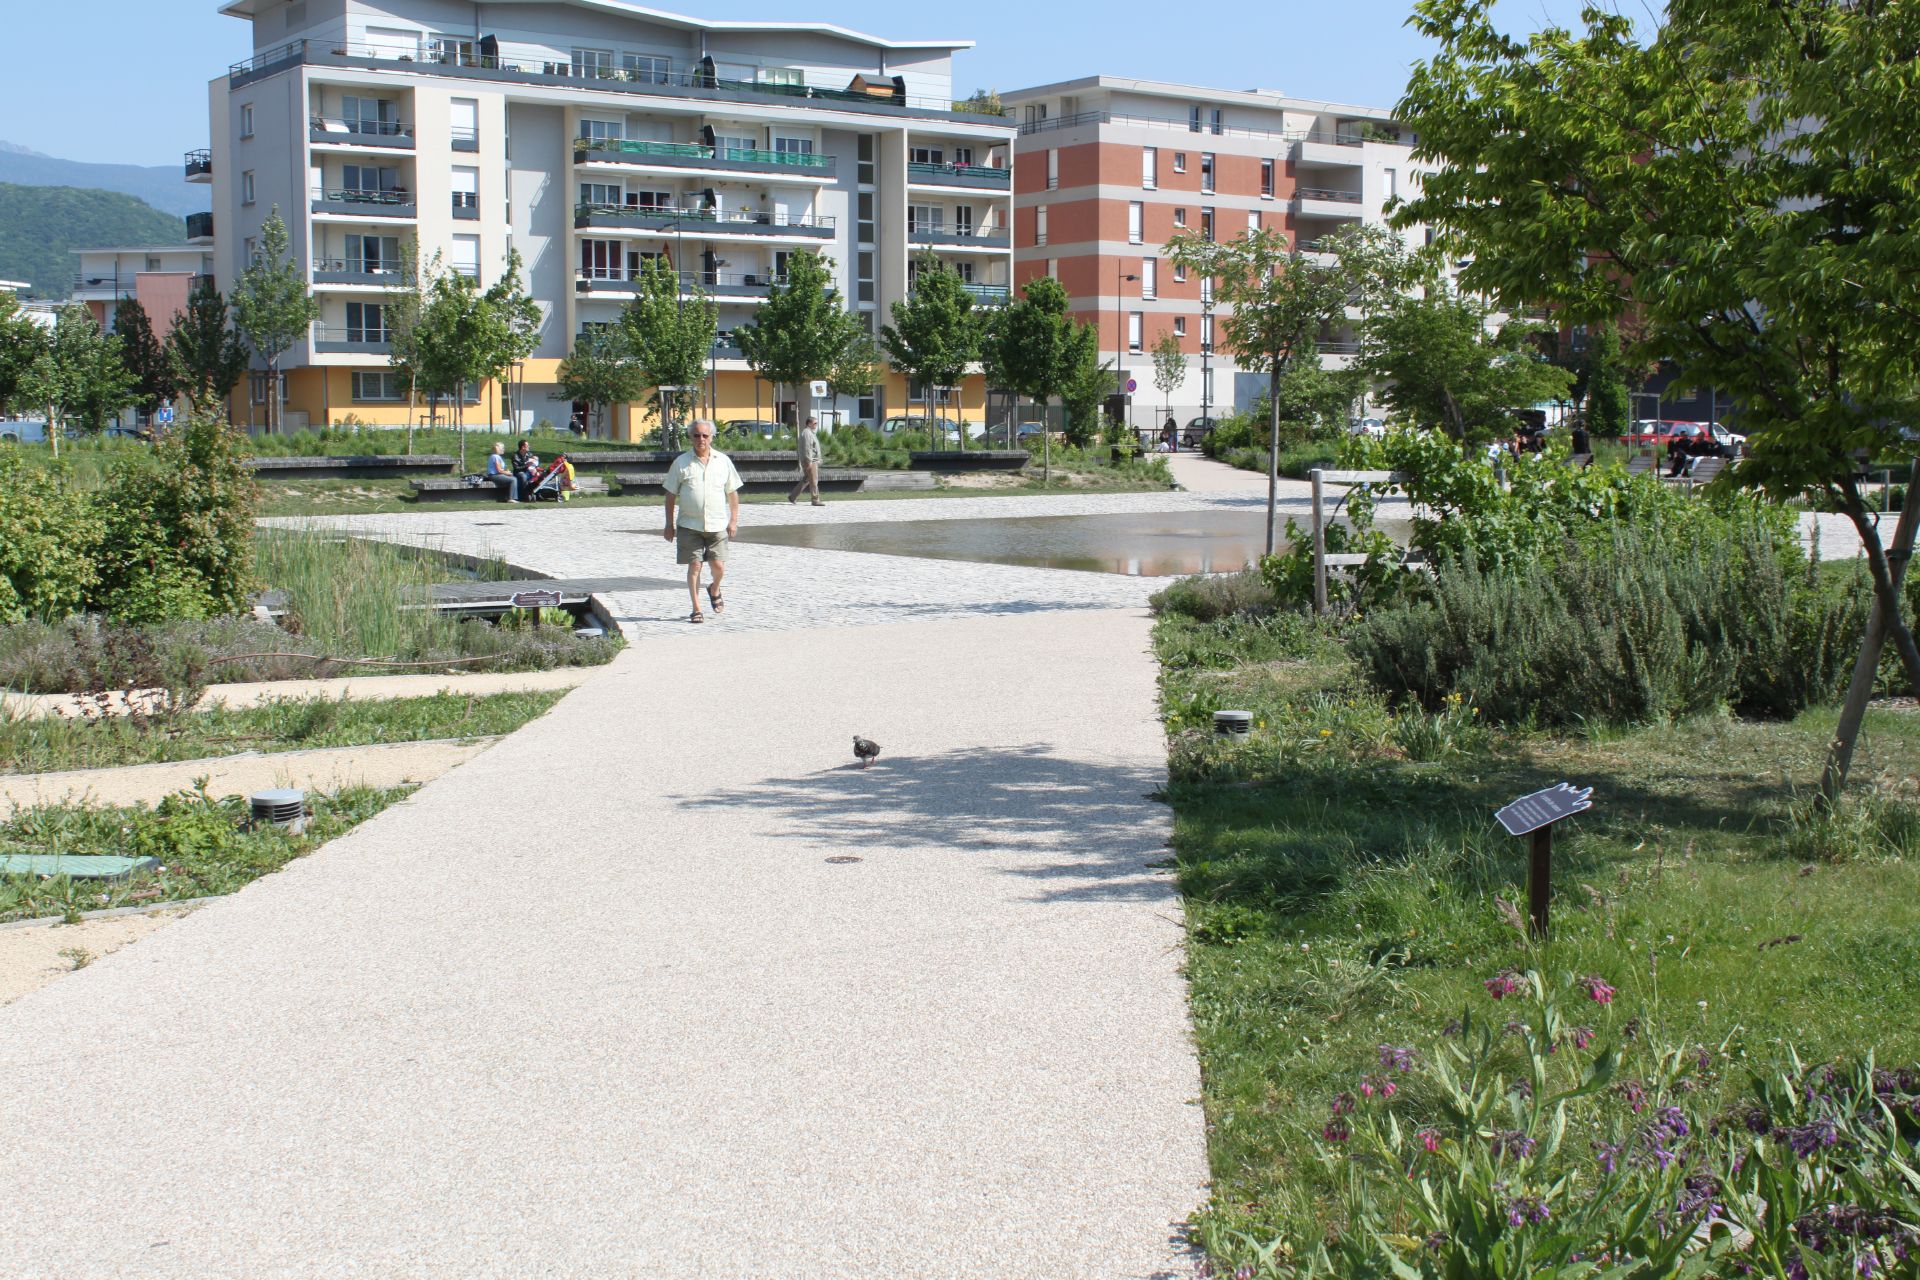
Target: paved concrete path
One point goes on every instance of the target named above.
(386, 764)
(646, 1027)
(256, 693)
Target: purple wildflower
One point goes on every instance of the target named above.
(1634, 1092)
(1674, 1121)
(1429, 1139)
(1582, 1037)
(1505, 983)
(1522, 1210)
(1863, 1263)
(1597, 989)
(1396, 1058)
(1806, 1139)
(1336, 1131)
(1512, 1142)
(1342, 1103)
(1607, 1153)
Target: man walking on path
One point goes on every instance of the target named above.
(703, 491)
(809, 446)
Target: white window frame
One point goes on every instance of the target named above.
(1179, 162)
(1053, 168)
(1253, 219)
(1149, 168)
(1136, 221)
(1136, 331)
(246, 187)
(1209, 172)
(392, 389)
(1269, 176)
(246, 119)
(1040, 224)
(592, 64)
(647, 68)
(1179, 326)
(1149, 277)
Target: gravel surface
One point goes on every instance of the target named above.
(343, 688)
(598, 1003)
(35, 954)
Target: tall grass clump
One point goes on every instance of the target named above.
(355, 596)
(1630, 630)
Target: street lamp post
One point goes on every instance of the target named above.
(1119, 330)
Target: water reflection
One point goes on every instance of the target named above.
(1150, 545)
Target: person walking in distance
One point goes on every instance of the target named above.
(703, 512)
(808, 445)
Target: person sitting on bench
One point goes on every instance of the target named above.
(500, 474)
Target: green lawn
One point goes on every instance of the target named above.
(1342, 874)
(47, 745)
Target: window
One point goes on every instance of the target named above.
(864, 268)
(1053, 268)
(246, 119)
(864, 167)
(1206, 224)
(1053, 168)
(1179, 217)
(723, 143)
(1179, 326)
(466, 256)
(454, 50)
(379, 116)
(249, 251)
(649, 199)
(603, 130)
(257, 388)
(963, 219)
(601, 260)
(381, 386)
(964, 270)
(1179, 162)
(1040, 225)
(1035, 112)
(963, 156)
(464, 122)
(863, 207)
(1206, 333)
(246, 187)
(1149, 167)
(1206, 386)
(373, 254)
(593, 63)
(1136, 221)
(1206, 171)
(1253, 219)
(1266, 178)
(647, 68)
(601, 193)
(782, 75)
(153, 264)
(366, 322)
(1180, 272)
(466, 191)
(1392, 185)
(926, 155)
(925, 218)
(1206, 289)
(369, 179)
(1193, 118)
(793, 146)
(1149, 277)
(1136, 326)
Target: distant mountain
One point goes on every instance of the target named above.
(41, 226)
(163, 186)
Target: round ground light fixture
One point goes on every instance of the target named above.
(1233, 724)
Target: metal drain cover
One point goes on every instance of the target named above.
(843, 857)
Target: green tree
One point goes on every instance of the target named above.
(272, 306)
(934, 336)
(1738, 180)
(458, 340)
(79, 375)
(402, 308)
(600, 372)
(1086, 390)
(154, 381)
(1033, 348)
(670, 338)
(1278, 303)
(984, 102)
(518, 318)
(1169, 367)
(21, 342)
(857, 370)
(1447, 368)
(207, 355)
(1603, 381)
(803, 330)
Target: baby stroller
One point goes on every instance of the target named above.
(551, 483)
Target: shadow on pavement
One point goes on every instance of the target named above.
(1080, 831)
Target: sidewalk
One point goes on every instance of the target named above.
(646, 1028)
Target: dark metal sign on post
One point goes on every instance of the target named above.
(535, 600)
(1534, 816)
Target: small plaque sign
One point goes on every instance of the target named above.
(535, 600)
(1542, 808)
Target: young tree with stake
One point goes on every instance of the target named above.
(272, 306)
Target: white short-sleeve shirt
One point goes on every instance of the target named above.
(701, 489)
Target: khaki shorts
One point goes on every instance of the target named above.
(692, 546)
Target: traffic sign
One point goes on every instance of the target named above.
(819, 389)
(164, 415)
(1132, 386)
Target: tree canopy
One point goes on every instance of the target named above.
(934, 336)
(272, 306)
(670, 339)
(208, 357)
(803, 330)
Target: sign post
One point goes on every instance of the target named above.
(1534, 816)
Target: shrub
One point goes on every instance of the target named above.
(49, 537)
(1209, 596)
(1633, 630)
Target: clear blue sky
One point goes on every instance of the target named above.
(139, 96)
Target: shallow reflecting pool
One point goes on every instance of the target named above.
(1146, 545)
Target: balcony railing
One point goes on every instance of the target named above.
(991, 295)
(695, 154)
(1330, 347)
(357, 271)
(200, 226)
(718, 283)
(660, 217)
(373, 204)
(386, 134)
(1327, 193)
(963, 237)
(199, 164)
(350, 340)
(965, 175)
(882, 93)
(464, 137)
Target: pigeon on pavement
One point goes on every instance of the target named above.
(865, 750)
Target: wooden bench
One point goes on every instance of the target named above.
(370, 466)
(456, 489)
(836, 480)
(967, 459)
(1703, 470)
(1641, 464)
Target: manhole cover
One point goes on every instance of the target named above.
(843, 857)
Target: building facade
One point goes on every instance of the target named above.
(589, 136)
(158, 277)
(1109, 169)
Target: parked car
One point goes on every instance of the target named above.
(1373, 427)
(915, 422)
(754, 427)
(1196, 432)
(1029, 431)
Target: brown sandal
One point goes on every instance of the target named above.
(714, 599)
(696, 616)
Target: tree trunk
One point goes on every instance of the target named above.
(1888, 568)
(1273, 451)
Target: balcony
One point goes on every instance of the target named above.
(940, 235)
(1326, 202)
(355, 271)
(347, 340)
(720, 285)
(199, 228)
(383, 135)
(972, 177)
(464, 138)
(383, 205)
(691, 157)
(989, 295)
(466, 206)
(200, 166)
(700, 222)
(868, 94)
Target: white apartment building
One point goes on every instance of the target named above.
(1111, 168)
(589, 136)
